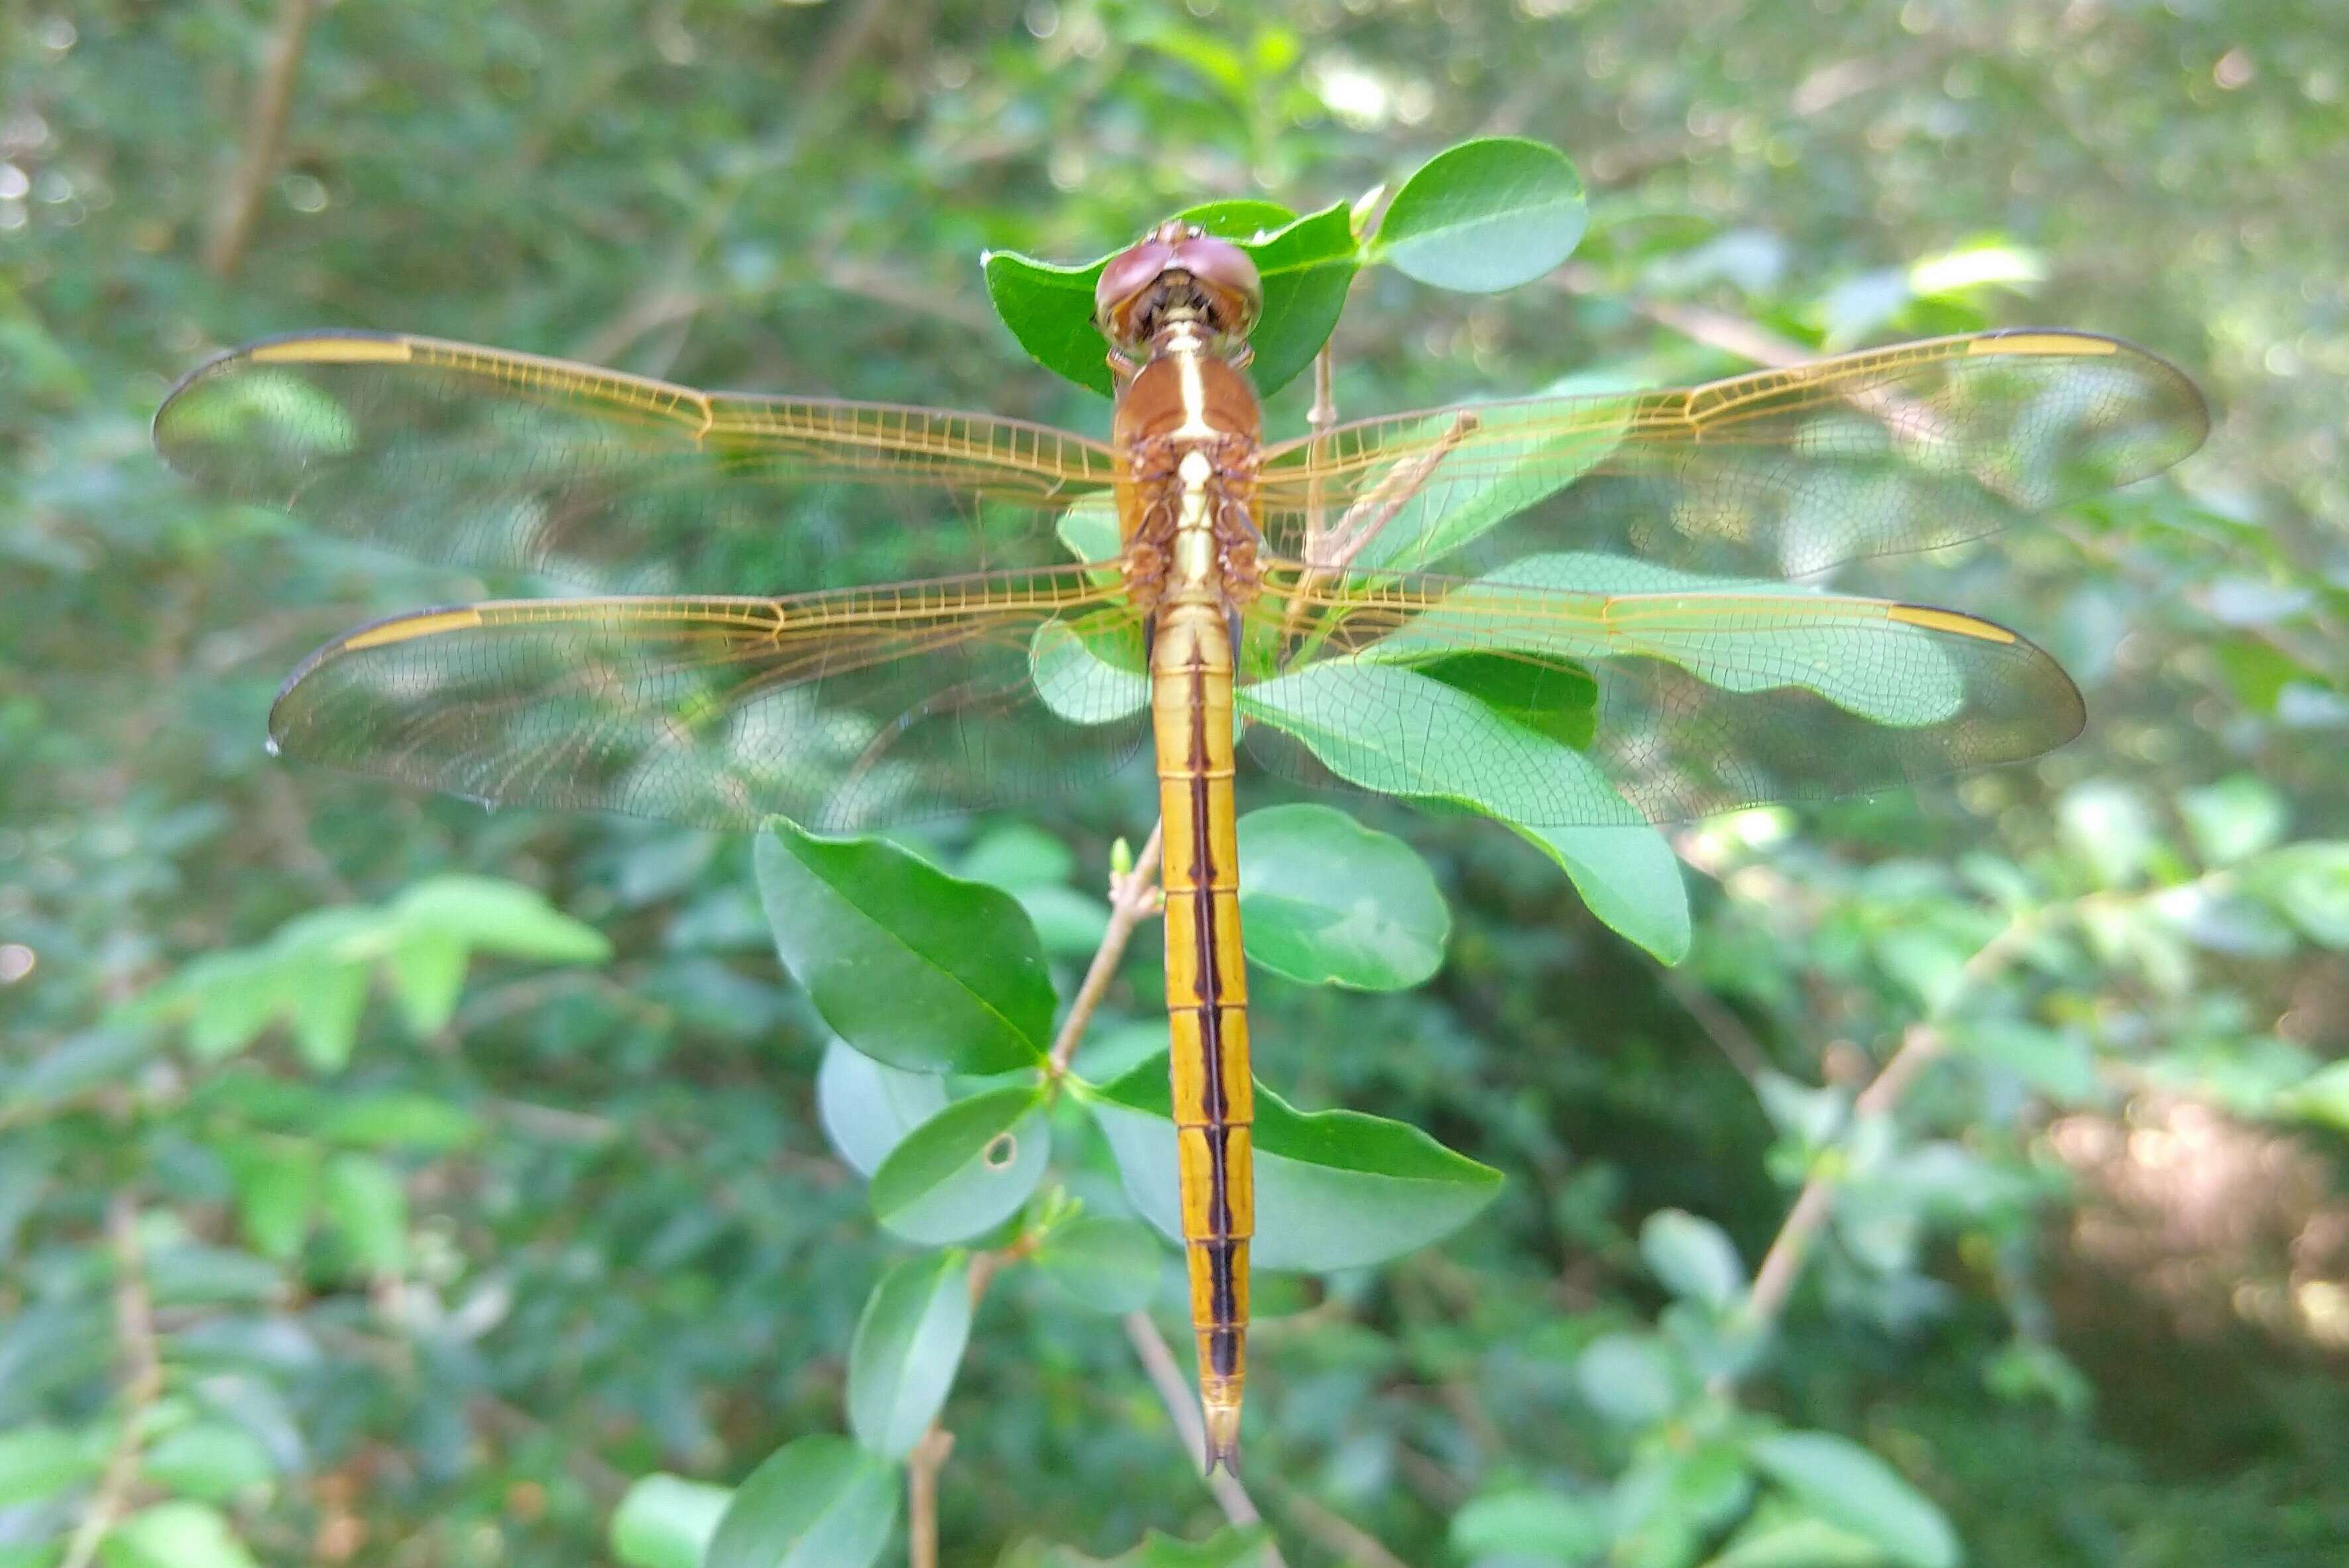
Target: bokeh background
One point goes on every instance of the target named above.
(568, 1217)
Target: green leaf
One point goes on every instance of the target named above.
(1326, 900)
(1485, 215)
(212, 1460)
(909, 966)
(500, 917)
(666, 1522)
(1777, 1539)
(1050, 309)
(1853, 1490)
(1110, 1265)
(908, 1346)
(966, 1170)
(1544, 1527)
(1693, 1258)
(1629, 1378)
(1405, 733)
(1306, 265)
(2322, 1096)
(2233, 819)
(41, 1462)
(326, 1009)
(365, 1202)
(1225, 1549)
(428, 970)
(178, 1534)
(277, 1188)
(869, 1107)
(1334, 1189)
(818, 1502)
(2308, 884)
(396, 1120)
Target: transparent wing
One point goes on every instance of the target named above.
(1658, 696)
(1778, 474)
(841, 710)
(499, 461)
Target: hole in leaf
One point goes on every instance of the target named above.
(1001, 1152)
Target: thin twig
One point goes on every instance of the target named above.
(1132, 898)
(1351, 1542)
(922, 1466)
(134, 1327)
(1183, 1408)
(264, 139)
(1782, 1265)
(665, 294)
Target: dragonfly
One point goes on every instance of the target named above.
(1619, 599)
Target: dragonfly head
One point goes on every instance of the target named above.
(1178, 272)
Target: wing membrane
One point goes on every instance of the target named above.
(498, 461)
(1777, 474)
(841, 710)
(1664, 701)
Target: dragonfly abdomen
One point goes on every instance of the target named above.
(1207, 999)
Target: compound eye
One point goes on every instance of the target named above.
(1224, 266)
(1128, 273)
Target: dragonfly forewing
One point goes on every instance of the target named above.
(1777, 474)
(496, 461)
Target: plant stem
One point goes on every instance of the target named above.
(922, 1468)
(1183, 1408)
(1131, 897)
(134, 1327)
(264, 140)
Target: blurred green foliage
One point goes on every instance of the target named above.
(439, 1280)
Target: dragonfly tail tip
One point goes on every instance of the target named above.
(1224, 1439)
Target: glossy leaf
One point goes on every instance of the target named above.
(1306, 265)
(1485, 215)
(908, 1346)
(1628, 1377)
(1225, 1549)
(2308, 884)
(1531, 1526)
(1334, 1189)
(1326, 900)
(36, 1463)
(277, 1186)
(177, 1534)
(869, 1107)
(1693, 1258)
(1627, 874)
(666, 1522)
(818, 1502)
(366, 1205)
(1107, 1264)
(1852, 1490)
(208, 1460)
(966, 1170)
(909, 966)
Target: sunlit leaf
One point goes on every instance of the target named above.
(1334, 1189)
(966, 1170)
(869, 1107)
(909, 966)
(818, 1502)
(908, 1346)
(1485, 215)
(1107, 1264)
(1853, 1490)
(666, 1522)
(1326, 900)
